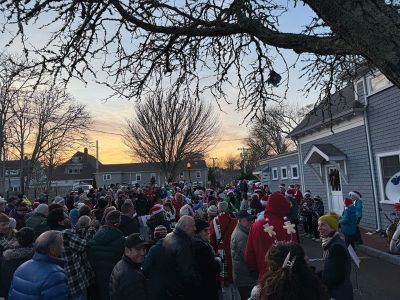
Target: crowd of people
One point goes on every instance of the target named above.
(175, 242)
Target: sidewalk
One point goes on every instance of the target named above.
(376, 246)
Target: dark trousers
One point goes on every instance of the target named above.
(349, 239)
(297, 230)
(357, 237)
(245, 292)
(307, 224)
(315, 230)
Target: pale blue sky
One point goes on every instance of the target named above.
(111, 115)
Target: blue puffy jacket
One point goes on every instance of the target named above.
(42, 278)
(348, 220)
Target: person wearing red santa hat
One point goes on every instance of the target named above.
(157, 218)
(275, 226)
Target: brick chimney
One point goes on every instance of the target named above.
(85, 153)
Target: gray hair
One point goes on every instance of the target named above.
(126, 206)
(83, 221)
(183, 222)
(47, 241)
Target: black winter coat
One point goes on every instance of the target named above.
(155, 268)
(208, 268)
(337, 269)
(129, 225)
(183, 278)
(142, 205)
(12, 259)
(158, 220)
(127, 281)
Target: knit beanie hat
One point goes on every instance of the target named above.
(160, 232)
(277, 205)
(74, 215)
(156, 209)
(332, 219)
(35, 204)
(212, 211)
(42, 209)
(307, 193)
(113, 218)
(222, 207)
(200, 225)
(185, 210)
(348, 202)
(59, 200)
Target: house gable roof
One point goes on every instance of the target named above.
(87, 161)
(323, 152)
(342, 105)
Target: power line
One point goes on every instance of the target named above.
(120, 134)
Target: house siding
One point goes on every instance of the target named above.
(129, 177)
(383, 117)
(279, 162)
(353, 143)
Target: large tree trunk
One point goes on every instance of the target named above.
(371, 27)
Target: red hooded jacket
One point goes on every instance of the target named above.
(259, 241)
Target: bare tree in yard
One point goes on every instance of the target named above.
(168, 129)
(44, 125)
(214, 39)
(267, 136)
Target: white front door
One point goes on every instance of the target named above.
(335, 194)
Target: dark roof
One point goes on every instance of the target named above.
(144, 167)
(329, 149)
(265, 160)
(323, 152)
(342, 104)
(88, 168)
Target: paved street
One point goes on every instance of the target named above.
(377, 279)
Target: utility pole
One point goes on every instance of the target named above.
(213, 159)
(244, 155)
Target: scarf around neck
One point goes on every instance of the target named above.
(326, 241)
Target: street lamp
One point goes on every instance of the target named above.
(189, 166)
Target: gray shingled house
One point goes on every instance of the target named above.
(143, 172)
(349, 143)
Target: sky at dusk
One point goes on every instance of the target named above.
(110, 116)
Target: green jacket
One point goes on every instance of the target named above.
(104, 251)
(38, 222)
(236, 204)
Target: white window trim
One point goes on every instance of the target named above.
(284, 168)
(368, 78)
(140, 177)
(106, 177)
(291, 171)
(198, 173)
(381, 187)
(277, 174)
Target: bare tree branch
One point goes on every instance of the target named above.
(169, 128)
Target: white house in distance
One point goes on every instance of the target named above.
(351, 143)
